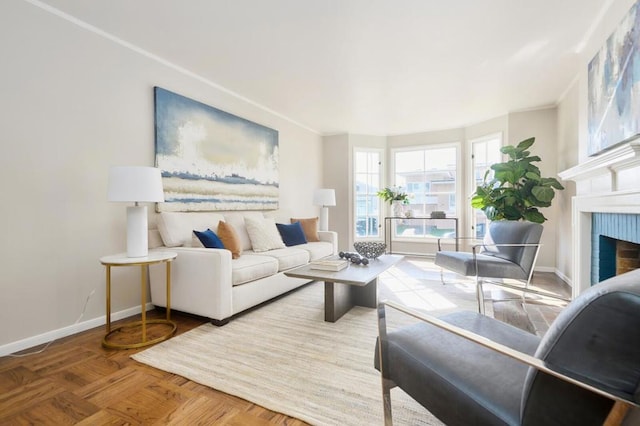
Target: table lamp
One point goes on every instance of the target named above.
(324, 197)
(136, 185)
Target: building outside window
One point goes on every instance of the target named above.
(368, 179)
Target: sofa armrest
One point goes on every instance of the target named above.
(330, 237)
(200, 282)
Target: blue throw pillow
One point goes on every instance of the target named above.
(209, 239)
(292, 234)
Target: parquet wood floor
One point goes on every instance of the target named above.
(77, 381)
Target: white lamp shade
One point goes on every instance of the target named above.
(324, 197)
(135, 184)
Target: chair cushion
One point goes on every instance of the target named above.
(459, 381)
(251, 267)
(514, 232)
(601, 325)
(490, 266)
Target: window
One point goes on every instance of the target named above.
(368, 176)
(484, 152)
(429, 176)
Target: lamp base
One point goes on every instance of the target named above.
(323, 222)
(137, 240)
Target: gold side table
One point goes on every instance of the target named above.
(121, 259)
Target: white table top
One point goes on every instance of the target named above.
(152, 257)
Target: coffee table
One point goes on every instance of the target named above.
(356, 285)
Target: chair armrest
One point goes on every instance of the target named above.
(454, 238)
(507, 245)
(502, 349)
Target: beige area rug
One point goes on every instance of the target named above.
(284, 357)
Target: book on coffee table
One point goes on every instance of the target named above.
(329, 265)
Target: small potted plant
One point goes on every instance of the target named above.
(396, 197)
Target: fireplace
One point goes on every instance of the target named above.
(606, 190)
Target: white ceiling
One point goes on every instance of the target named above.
(365, 66)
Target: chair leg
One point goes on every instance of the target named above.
(387, 385)
(442, 276)
(480, 295)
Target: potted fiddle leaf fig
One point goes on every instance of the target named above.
(517, 189)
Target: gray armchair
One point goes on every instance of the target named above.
(509, 251)
(469, 369)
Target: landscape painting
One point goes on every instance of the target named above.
(213, 160)
(614, 87)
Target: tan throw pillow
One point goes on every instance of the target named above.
(230, 239)
(264, 234)
(309, 227)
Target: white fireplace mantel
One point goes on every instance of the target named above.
(620, 168)
(612, 161)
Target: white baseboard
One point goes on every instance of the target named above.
(564, 278)
(545, 269)
(40, 339)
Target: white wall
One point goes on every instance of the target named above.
(74, 103)
(540, 124)
(573, 135)
(338, 174)
(567, 153)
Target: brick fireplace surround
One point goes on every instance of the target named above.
(606, 183)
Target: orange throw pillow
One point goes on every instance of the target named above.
(309, 227)
(230, 239)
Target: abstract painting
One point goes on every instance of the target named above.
(614, 87)
(211, 159)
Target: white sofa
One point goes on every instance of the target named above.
(208, 282)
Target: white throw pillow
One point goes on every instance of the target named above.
(263, 234)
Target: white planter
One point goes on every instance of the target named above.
(397, 209)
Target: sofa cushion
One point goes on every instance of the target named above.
(208, 239)
(317, 250)
(176, 228)
(292, 234)
(289, 257)
(237, 220)
(252, 267)
(263, 234)
(310, 228)
(229, 238)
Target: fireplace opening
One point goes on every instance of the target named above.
(607, 229)
(617, 257)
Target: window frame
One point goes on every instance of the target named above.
(381, 212)
(458, 145)
(471, 181)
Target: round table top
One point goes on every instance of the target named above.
(152, 257)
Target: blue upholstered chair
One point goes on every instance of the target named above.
(470, 369)
(508, 251)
